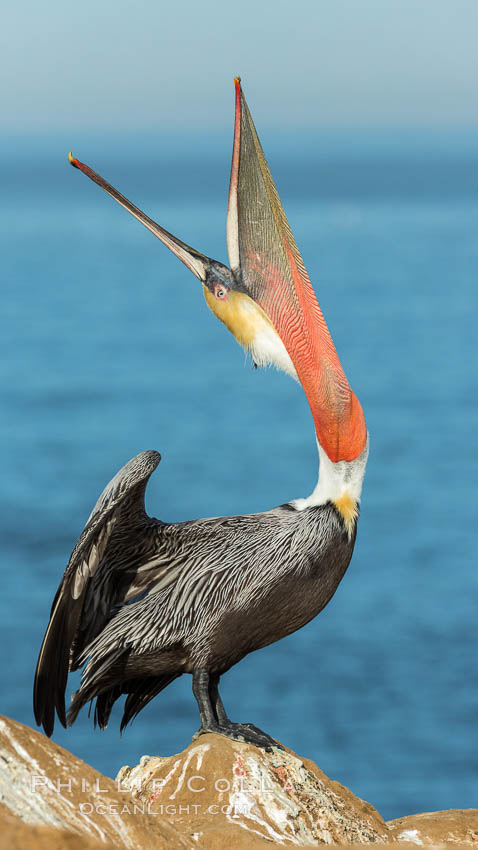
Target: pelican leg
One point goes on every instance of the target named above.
(217, 702)
(215, 719)
(203, 699)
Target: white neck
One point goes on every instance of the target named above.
(336, 480)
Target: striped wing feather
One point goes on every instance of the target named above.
(87, 592)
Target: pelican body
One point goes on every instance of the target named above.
(142, 601)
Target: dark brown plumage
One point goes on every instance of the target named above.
(145, 601)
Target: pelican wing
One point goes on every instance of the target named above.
(89, 589)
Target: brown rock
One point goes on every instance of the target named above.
(222, 793)
(43, 785)
(458, 826)
(216, 794)
(17, 835)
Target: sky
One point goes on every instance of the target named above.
(142, 66)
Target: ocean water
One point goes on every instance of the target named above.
(108, 349)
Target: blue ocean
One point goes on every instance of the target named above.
(108, 349)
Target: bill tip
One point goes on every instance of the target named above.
(70, 157)
(237, 81)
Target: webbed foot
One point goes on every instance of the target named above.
(245, 733)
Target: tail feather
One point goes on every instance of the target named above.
(142, 691)
(107, 680)
(99, 680)
(104, 704)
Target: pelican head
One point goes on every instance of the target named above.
(265, 298)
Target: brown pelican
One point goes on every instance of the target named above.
(142, 601)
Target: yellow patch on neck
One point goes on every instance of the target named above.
(241, 315)
(348, 508)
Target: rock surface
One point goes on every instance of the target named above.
(455, 826)
(216, 794)
(223, 793)
(43, 785)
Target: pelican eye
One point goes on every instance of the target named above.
(220, 291)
